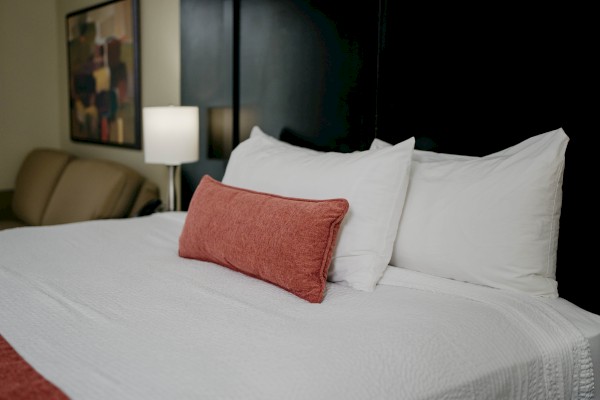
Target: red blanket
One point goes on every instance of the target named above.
(19, 381)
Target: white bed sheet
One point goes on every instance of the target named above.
(106, 309)
(587, 323)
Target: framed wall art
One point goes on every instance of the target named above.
(104, 79)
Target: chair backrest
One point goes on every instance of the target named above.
(35, 183)
(92, 189)
(55, 187)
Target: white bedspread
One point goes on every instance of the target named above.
(107, 310)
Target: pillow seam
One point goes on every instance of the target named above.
(554, 222)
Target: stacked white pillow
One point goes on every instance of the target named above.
(490, 220)
(374, 182)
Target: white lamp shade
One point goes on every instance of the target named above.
(170, 134)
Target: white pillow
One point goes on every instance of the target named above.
(374, 182)
(490, 220)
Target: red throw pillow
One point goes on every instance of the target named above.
(282, 240)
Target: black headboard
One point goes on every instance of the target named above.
(333, 77)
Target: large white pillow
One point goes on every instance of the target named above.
(490, 220)
(374, 182)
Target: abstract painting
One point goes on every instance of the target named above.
(103, 63)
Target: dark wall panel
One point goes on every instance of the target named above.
(475, 81)
(308, 70)
(206, 77)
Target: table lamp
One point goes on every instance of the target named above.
(171, 138)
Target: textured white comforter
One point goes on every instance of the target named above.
(107, 310)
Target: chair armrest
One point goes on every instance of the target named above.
(148, 193)
(150, 207)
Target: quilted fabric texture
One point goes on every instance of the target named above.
(281, 240)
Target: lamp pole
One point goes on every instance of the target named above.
(171, 205)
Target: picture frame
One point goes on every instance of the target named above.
(104, 74)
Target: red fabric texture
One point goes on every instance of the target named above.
(19, 381)
(285, 241)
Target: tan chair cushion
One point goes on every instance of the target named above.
(92, 189)
(35, 183)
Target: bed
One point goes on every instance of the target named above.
(379, 274)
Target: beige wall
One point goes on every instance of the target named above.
(23, 126)
(29, 110)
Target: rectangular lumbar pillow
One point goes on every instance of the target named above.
(490, 220)
(374, 182)
(281, 240)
